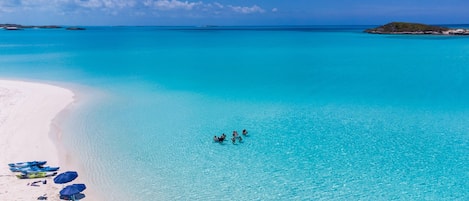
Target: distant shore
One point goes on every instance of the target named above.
(27, 111)
(415, 29)
(20, 27)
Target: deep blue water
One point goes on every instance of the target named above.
(332, 113)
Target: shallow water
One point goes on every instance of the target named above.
(332, 113)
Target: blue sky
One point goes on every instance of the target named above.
(232, 12)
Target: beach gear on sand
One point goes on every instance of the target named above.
(65, 177)
(34, 168)
(27, 164)
(35, 175)
(40, 181)
(77, 196)
(72, 189)
(42, 197)
(71, 192)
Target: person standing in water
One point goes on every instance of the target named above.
(245, 132)
(235, 134)
(233, 139)
(222, 137)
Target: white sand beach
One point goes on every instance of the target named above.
(26, 113)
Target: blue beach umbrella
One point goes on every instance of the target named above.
(65, 177)
(71, 191)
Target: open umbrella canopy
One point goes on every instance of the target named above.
(72, 189)
(65, 177)
(77, 196)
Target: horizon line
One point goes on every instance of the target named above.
(214, 25)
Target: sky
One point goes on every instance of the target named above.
(232, 12)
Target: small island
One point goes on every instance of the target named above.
(75, 28)
(21, 27)
(415, 28)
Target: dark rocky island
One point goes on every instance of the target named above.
(415, 28)
(75, 28)
(19, 27)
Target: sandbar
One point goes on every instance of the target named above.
(27, 111)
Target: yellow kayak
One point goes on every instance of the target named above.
(35, 175)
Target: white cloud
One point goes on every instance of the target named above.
(89, 3)
(21, 5)
(214, 7)
(172, 4)
(274, 10)
(191, 8)
(116, 5)
(9, 3)
(219, 5)
(113, 4)
(8, 6)
(247, 10)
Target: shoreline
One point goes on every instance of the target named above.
(409, 28)
(29, 131)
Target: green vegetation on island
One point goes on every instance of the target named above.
(18, 26)
(75, 28)
(415, 28)
(21, 27)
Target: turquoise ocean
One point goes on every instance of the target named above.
(332, 113)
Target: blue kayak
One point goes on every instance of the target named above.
(34, 168)
(27, 164)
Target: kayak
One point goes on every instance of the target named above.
(35, 175)
(34, 168)
(27, 164)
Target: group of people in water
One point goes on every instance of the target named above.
(233, 139)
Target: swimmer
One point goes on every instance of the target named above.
(245, 132)
(222, 138)
(235, 134)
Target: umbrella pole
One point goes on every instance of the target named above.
(73, 197)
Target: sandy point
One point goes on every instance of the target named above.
(26, 113)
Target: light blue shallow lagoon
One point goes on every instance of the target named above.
(332, 113)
